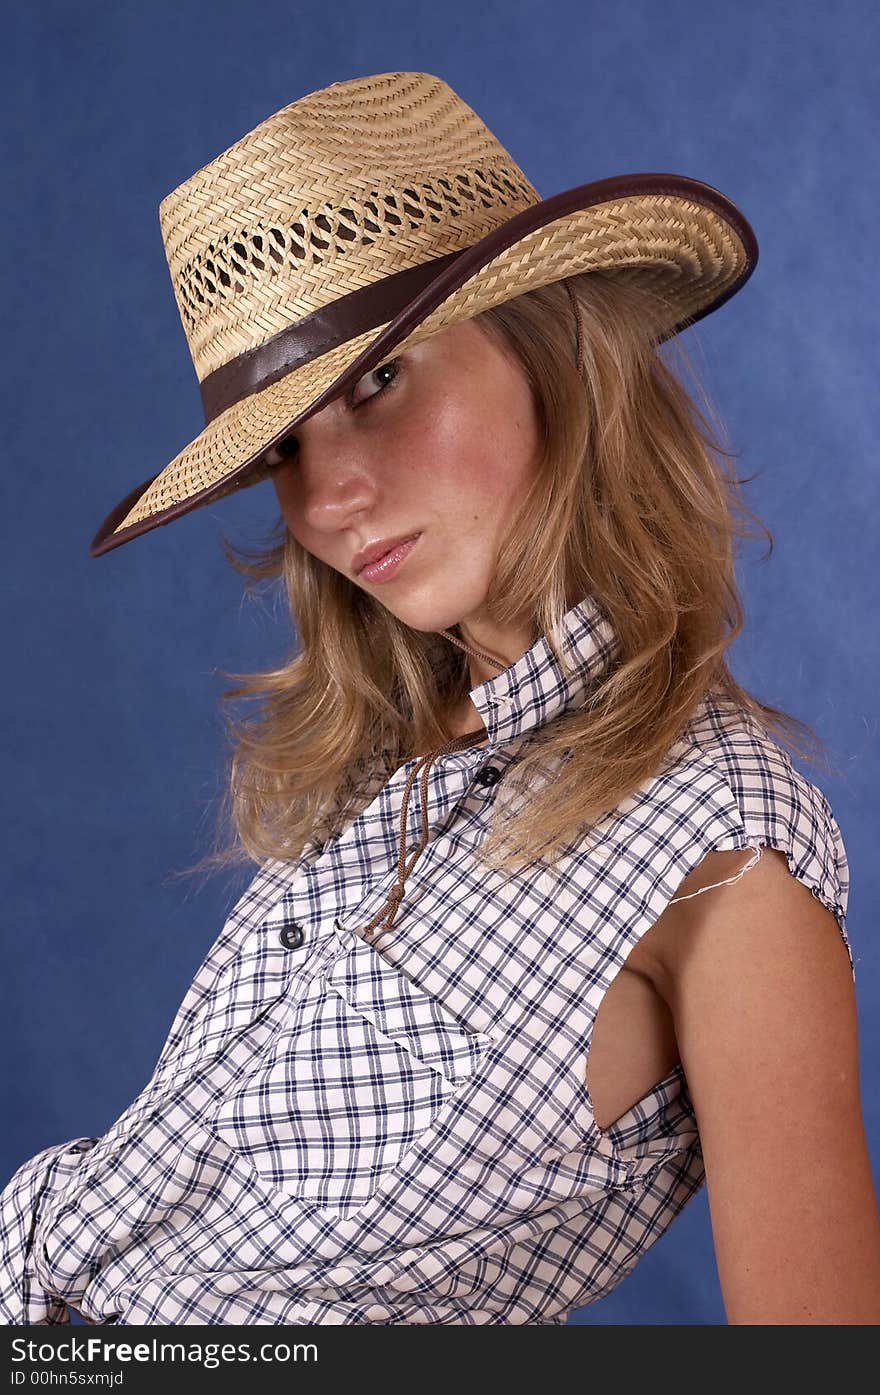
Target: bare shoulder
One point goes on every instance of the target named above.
(764, 929)
(657, 952)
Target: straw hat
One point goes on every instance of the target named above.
(359, 220)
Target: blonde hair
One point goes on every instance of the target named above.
(633, 504)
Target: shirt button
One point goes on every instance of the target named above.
(489, 775)
(292, 936)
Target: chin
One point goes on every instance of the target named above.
(427, 615)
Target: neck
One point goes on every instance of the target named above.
(490, 647)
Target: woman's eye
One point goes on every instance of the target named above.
(283, 450)
(377, 379)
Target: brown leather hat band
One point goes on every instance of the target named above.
(314, 334)
(381, 302)
(401, 302)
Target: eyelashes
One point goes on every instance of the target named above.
(393, 364)
(282, 450)
(288, 447)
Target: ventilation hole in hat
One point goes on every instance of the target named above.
(346, 225)
(462, 199)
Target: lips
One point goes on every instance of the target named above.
(379, 550)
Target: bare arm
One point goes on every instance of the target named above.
(757, 979)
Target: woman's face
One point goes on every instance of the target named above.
(440, 442)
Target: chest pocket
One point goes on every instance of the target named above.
(355, 1074)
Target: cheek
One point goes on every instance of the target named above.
(281, 484)
(286, 492)
(485, 452)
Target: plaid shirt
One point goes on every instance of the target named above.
(341, 1130)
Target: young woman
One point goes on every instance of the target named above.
(547, 930)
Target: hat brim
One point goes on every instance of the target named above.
(681, 238)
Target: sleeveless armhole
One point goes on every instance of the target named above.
(726, 881)
(782, 809)
(728, 787)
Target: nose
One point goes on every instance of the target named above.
(327, 485)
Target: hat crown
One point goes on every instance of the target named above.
(340, 189)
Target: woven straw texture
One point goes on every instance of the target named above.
(335, 191)
(351, 184)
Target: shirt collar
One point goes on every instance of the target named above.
(534, 689)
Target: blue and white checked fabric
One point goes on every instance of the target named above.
(340, 1131)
